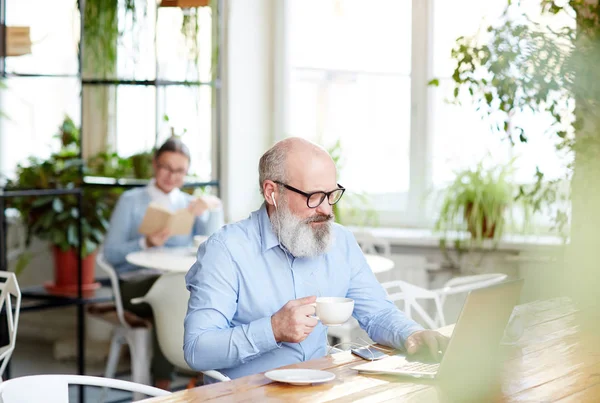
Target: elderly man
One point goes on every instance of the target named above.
(254, 281)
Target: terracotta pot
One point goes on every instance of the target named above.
(66, 273)
(487, 230)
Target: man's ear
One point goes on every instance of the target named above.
(270, 192)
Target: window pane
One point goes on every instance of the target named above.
(461, 137)
(350, 81)
(35, 108)
(370, 35)
(54, 32)
(190, 114)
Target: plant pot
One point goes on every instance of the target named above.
(185, 3)
(487, 230)
(142, 165)
(66, 273)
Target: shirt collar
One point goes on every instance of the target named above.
(158, 195)
(267, 235)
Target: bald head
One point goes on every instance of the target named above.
(294, 160)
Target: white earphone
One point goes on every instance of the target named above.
(273, 199)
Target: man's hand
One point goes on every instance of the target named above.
(293, 322)
(200, 205)
(158, 238)
(427, 344)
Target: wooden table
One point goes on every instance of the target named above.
(549, 363)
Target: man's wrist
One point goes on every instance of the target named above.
(273, 327)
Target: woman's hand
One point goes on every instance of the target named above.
(158, 238)
(200, 205)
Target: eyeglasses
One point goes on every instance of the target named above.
(171, 171)
(314, 199)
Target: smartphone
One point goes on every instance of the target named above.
(369, 353)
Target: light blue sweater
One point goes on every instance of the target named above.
(123, 236)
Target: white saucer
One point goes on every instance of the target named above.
(300, 376)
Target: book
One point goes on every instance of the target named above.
(158, 217)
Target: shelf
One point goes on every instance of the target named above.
(149, 83)
(101, 181)
(38, 192)
(25, 75)
(39, 293)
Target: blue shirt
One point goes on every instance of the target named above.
(123, 237)
(242, 277)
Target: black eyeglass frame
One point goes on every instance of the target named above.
(309, 195)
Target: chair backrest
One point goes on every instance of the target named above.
(369, 243)
(114, 283)
(168, 298)
(55, 388)
(9, 289)
(410, 294)
(15, 234)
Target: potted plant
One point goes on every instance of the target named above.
(56, 218)
(476, 203)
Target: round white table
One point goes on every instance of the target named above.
(181, 259)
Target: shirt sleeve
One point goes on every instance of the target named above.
(377, 315)
(211, 341)
(116, 242)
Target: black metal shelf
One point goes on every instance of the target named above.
(4, 194)
(101, 181)
(8, 74)
(149, 83)
(39, 293)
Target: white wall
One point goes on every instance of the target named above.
(247, 101)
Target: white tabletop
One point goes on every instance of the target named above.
(182, 258)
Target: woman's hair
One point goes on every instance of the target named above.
(175, 145)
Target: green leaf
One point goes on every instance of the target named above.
(40, 201)
(434, 83)
(57, 205)
(22, 262)
(72, 235)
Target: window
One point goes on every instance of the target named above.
(36, 106)
(345, 84)
(357, 72)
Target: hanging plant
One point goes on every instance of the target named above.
(101, 34)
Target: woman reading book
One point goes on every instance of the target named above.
(129, 232)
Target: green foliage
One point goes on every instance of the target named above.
(56, 218)
(518, 65)
(477, 201)
(101, 34)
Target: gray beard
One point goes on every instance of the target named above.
(298, 236)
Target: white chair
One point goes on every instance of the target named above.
(55, 388)
(370, 244)
(9, 288)
(15, 234)
(168, 298)
(128, 329)
(410, 294)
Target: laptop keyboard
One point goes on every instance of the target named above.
(419, 367)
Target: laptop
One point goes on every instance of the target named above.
(474, 345)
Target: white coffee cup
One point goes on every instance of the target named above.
(334, 311)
